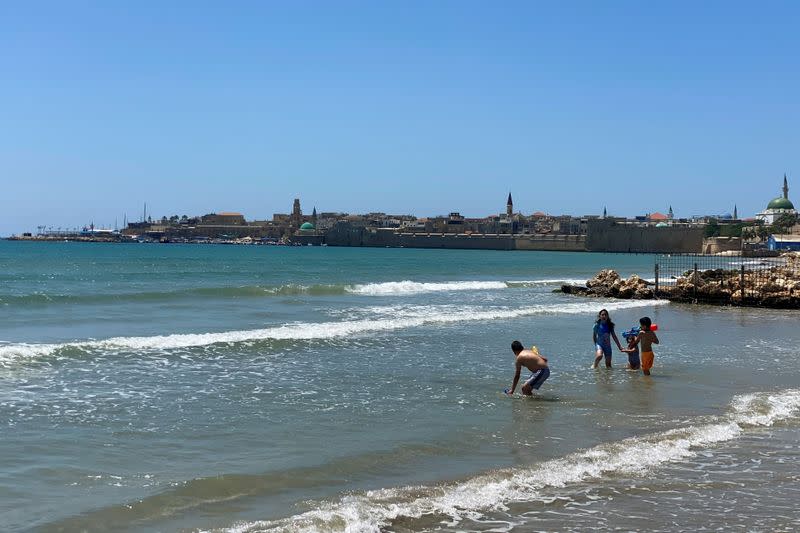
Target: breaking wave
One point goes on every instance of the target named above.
(374, 510)
(414, 287)
(390, 319)
(387, 288)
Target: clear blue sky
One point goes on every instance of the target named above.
(403, 107)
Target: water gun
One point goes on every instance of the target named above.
(635, 331)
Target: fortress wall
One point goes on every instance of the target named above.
(603, 236)
(609, 236)
(567, 243)
(459, 241)
(715, 245)
(348, 235)
(215, 231)
(308, 239)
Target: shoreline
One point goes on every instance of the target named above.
(116, 240)
(132, 241)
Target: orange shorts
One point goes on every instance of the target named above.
(647, 360)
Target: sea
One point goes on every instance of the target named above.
(154, 387)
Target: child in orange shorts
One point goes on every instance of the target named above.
(647, 338)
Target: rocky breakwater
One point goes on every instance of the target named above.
(609, 284)
(776, 286)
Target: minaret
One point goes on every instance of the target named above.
(670, 213)
(509, 206)
(605, 214)
(785, 187)
(314, 216)
(297, 215)
(735, 213)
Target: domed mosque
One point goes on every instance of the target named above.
(779, 206)
(310, 226)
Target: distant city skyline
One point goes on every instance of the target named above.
(146, 214)
(404, 108)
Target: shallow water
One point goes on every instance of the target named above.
(171, 387)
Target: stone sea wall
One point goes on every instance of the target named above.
(350, 235)
(602, 236)
(605, 235)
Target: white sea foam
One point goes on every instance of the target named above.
(399, 318)
(765, 409)
(372, 510)
(553, 281)
(415, 287)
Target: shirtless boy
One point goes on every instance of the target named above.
(647, 338)
(534, 362)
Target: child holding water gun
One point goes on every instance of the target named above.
(647, 337)
(632, 350)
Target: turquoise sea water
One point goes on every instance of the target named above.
(200, 387)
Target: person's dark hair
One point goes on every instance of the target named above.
(646, 323)
(516, 347)
(610, 324)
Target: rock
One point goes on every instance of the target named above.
(780, 302)
(574, 289)
(626, 292)
(606, 283)
(604, 278)
(716, 292)
(626, 288)
(769, 286)
(617, 285)
(644, 293)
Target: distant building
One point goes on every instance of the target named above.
(455, 219)
(292, 222)
(297, 214)
(223, 219)
(778, 207)
(784, 242)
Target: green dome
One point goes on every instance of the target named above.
(307, 225)
(662, 225)
(780, 203)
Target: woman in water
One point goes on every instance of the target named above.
(602, 334)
